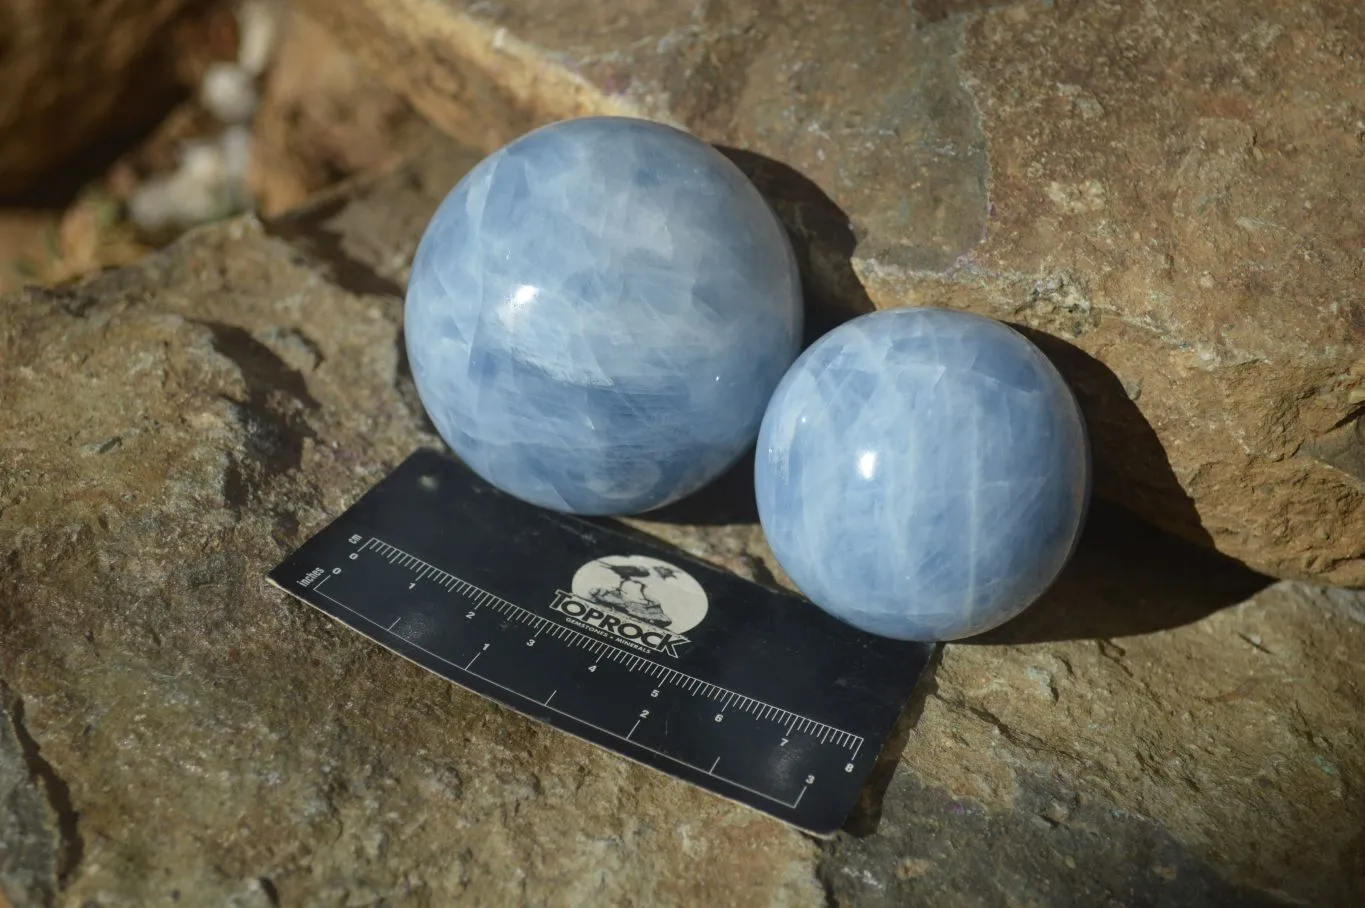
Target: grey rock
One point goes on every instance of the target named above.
(31, 842)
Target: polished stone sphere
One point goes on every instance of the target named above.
(598, 313)
(923, 474)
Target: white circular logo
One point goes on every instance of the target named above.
(649, 590)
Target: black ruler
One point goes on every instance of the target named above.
(746, 691)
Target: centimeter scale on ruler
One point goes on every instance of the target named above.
(501, 632)
(764, 700)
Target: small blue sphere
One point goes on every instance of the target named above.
(923, 474)
(598, 314)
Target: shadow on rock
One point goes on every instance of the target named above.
(1131, 466)
(1049, 846)
(1128, 578)
(1129, 575)
(727, 500)
(821, 236)
(867, 814)
(823, 241)
(311, 229)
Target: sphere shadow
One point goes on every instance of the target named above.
(1128, 578)
(867, 813)
(823, 241)
(1145, 562)
(1130, 464)
(725, 501)
(821, 235)
(1131, 574)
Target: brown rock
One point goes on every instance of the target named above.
(78, 73)
(167, 432)
(322, 117)
(172, 727)
(1169, 199)
(1160, 764)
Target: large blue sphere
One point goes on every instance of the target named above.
(923, 474)
(598, 313)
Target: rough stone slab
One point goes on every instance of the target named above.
(1170, 193)
(30, 841)
(1163, 729)
(168, 432)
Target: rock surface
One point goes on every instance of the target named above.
(1170, 195)
(322, 116)
(78, 73)
(1163, 729)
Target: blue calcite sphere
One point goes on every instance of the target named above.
(598, 313)
(923, 474)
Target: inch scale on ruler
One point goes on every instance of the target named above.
(748, 692)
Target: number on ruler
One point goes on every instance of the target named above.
(848, 767)
(354, 556)
(531, 642)
(784, 742)
(592, 668)
(336, 570)
(654, 692)
(411, 585)
(355, 539)
(644, 714)
(720, 717)
(469, 614)
(810, 780)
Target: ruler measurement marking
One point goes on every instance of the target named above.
(762, 794)
(687, 682)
